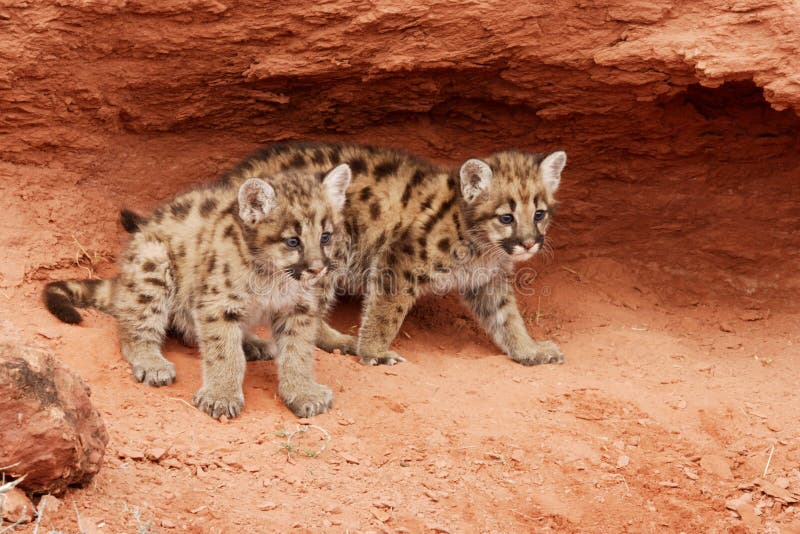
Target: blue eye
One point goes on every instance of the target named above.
(506, 218)
(293, 242)
(325, 238)
(539, 215)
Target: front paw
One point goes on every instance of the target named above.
(308, 399)
(386, 357)
(154, 372)
(217, 404)
(538, 353)
(258, 349)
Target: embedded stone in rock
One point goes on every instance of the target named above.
(48, 426)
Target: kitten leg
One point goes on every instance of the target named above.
(385, 307)
(223, 361)
(495, 306)
(295, 333)
(142, 295)
(328, 338)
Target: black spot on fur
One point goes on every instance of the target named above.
(381, 240)
(212, 262)
(382, 170)
(156, 282)
(358, 166)
(375, 210)
(366, 194)
(408, 249)
(297, 161)
(144, 299)
(406, 195)
(148, 266)
(318, 157)
(444, 208)
(426, 204)
(59, 304)
(443, 244)
(232, 316)
(180, 209)
(131, 221)
(417, 178)
(335, 155)
(208, 206)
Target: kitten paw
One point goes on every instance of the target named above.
(387, 357)
(216, 404)
(258, 349)
(308, 400)
(541, 352)
(154, 373)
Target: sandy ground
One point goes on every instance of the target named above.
(673, 296)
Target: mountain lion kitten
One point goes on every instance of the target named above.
(216, 259)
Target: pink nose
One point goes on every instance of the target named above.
(529, 243)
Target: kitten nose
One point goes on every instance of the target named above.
(316, 268)
(529, 243)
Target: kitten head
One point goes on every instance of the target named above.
(509, 199)
(293, 221)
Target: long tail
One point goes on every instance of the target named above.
(61, 298)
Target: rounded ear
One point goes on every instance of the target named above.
(475, 178)
(550, 169)
(256, 200)
(336, 182)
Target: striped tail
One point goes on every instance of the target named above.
(61, 298)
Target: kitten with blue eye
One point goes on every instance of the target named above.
(213, 262)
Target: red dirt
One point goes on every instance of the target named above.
(673, 291)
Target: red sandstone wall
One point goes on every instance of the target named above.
(72, 71)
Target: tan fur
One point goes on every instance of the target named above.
(214, 260)
(416, 228)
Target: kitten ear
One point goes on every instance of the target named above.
(256, 200)
(475, 178)
(550, 169)
(336, 182)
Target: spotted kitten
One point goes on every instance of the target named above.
(416, 228)
(215, 260)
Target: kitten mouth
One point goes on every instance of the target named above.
(309, 279)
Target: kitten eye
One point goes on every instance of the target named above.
(506, 218)
(539, 215)
(325, 238)
(293, 242)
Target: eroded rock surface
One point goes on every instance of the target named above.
(48, 426)
(300, 68)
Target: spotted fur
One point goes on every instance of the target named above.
(214, 261)
(416, 228)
